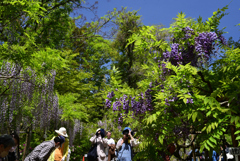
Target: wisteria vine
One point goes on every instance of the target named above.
(21, 91)
(197, 49)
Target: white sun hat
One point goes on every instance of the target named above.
(98, 129)
(62, 131)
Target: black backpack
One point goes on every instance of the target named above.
(92, 153)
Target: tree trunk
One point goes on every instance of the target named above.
(207, 155)
(24, 151)
(224, 152)
(234, 141)
(29, 139)
(193, 149)
(184, 150)
(233, 130)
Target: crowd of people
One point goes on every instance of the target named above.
(108, 150)
(57, 149)
(216, 156)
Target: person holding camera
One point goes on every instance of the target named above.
(101, 144)
(125, 145)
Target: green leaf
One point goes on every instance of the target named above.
(160, 139)
(213, 140)
(209, 129)
(237, 119)
(217, 136)
(194, 116)
(208, 113)
(237, 68)
(207, 147)
(238, 138)
(209, 143)
(203, 128)
(237, 132)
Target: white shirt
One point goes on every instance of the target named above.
(68, 156)
(109, 141)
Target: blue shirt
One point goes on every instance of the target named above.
(215, 156)
(125, 152)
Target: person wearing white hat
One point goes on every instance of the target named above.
(62, 131)
(61, 153)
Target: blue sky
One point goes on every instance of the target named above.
(162, 11)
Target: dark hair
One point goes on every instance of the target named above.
(126, 132)
(58, 140)
(103, 133)
(7, 140)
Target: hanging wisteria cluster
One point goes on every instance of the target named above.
(25, 100)
(125, 104)
(73, 130)
(205, 45)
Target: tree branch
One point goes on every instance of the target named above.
(202, 89)
(60, 4)
(203, 79)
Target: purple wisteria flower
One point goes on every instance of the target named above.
(125, 103)
(111, 94)
(167, 104)
(189, 100)
(188, 32)
(120, 119)
(119, 128)
(117, 105)
(108, 103)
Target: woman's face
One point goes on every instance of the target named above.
(125, 136)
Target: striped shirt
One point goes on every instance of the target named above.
(41, 152)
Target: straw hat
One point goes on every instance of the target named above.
(62, 131)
